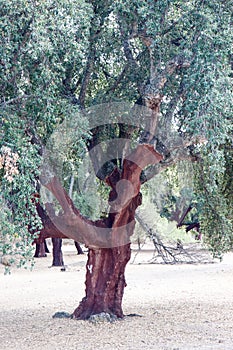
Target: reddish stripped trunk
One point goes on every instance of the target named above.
(105, 282)
(105, 269)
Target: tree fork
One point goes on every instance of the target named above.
(108, 239)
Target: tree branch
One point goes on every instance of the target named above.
(71, 223)
(175, 156)
(15, 100)
(129, 185)
(123, 199)
(123, 73)
(87, 76)
(153, 95)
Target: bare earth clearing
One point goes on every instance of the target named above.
(182, 307)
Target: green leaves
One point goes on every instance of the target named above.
(213, 188)
(17, 210)
(55, 53)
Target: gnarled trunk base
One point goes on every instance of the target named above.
(105, 282)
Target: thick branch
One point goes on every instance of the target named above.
(129, 185)
(125, 195)
(126, 46)
(122, 75)
(87, 76)
(71, 223)
(124, 199)
(49, 230)
(153, 92)
(15, 100)
(174, 157)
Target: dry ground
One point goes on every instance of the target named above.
(182, 307)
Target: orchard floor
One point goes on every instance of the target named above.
(182, 307)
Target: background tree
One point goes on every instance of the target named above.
(172, 57)
(36, 39)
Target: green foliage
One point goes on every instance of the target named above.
(19, 222)
(205, 185)
(172, 191)
(42, 47)
(58, 57)
(213, 191)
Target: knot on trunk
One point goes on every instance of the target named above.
(153, 100)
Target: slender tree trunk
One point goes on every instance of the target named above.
(46, 247)
(57, 252)
(105, 282)
(78, 247)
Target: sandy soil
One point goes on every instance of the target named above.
(182, 307)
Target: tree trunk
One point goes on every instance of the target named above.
(105, 282)
(57, 252)
(78, 247)
(108, 239)
(46, 247)
(41, 250)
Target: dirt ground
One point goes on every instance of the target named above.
(181, 307)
